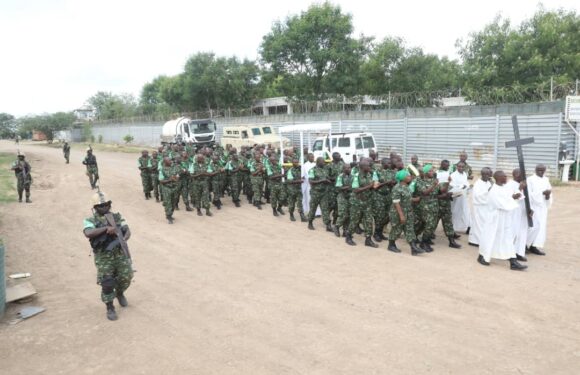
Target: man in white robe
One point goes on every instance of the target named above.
(540, 191)
(306, 167)
(443, 172)
(497, 239)
(480, 209)
(519, 217)
(460, 205)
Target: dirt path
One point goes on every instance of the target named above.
(246, 293)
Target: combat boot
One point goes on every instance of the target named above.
(237, 203)
(377, 237)
(369, 242)
(259, 205)
(453, 244)
(207, 212)
(122, 300)
(28, 200)
(302, 217)
(310, 226)
(281, 211)
(516, 266)
(188, 207)
(146, 196)
(393, 247)
(274, 212)
(337, 231)
(329, 228)
(425, 246)
(456, 236)
(292, 218)
(415, 249)
(169, 219)
(219, 204)
(349, 239)
(383, 237)
(358, 229)
(176, 208)
(20, 198)
(199, 213)
(111, 313)
(157, 199)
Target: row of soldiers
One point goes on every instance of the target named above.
(371, 193)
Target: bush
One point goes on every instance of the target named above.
(128, 139)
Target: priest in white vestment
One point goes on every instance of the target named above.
(519, 217)
(540, 191)
(480, 209)
(306, 167)
(460, 206)
(497, 239)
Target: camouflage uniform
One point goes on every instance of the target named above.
(382, 198)
(199, 185)
(402, 195)
(145, 166)
(169, 190)
(66, 152)
(361, 204)
(215, 181)
(23, 178)
(276, 191)
(155, 175)
(428, 207)
(318, 194)
(257, 180)
(92, 169)
(334, 170)
(445, 213)
(234, 178)
(246, 187)
(114, 272)
(343, 199)
(184, 186)
(294, 191)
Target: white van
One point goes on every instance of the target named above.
(347, 144)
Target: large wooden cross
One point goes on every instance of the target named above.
(518, 143)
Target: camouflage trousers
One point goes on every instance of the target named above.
(93, 174)
(184, 189)
(343, 209)
(294, 194)
(397, 228)
(246, 187)
(114, 273)
(445, 216)
(381, 206)
(23, 184)
(331, 196)
(169, 193)
(216, 187)
(257, 187)
(199, 191)
(429, 212)
(277, 196)
(318, 198)
(419, 220)
(146, 182)
(234, 182)
(155, 184)
(67, 157)
(361, 210)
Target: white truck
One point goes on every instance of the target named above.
(348, 145)
(185, 130)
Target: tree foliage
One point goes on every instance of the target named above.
(7, 126)
(111, 106)
(47, 123)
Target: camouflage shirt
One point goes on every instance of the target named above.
(402, 195)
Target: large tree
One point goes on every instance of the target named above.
(47, 123)
(112, 106)
(7, 126)
(314, 54)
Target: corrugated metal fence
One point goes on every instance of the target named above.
(432, 134)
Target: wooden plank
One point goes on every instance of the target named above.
(22, 290)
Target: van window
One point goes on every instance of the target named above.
(236, 132)
(343, 142)
(317, 146)
(244, 134)
(326, 143)
(368, 142)
(358, 143)
(256, 131)
(267, 130)
(230, 132)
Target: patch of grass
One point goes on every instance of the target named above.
(7, 179)
(101, 147)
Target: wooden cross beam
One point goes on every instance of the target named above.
(518, 143)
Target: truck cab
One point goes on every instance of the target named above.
(249, 135)
(200, 132)
(349, 145)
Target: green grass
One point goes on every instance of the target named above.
(7, 179)
(129, 149)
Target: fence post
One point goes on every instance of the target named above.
(560, 118)
(496, 143)
(405, 131)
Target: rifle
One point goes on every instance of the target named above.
(23, 167)
(120, 237)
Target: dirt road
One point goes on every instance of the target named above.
(247, 293)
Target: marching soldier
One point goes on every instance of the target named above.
(155, 161)
(22, 170)
(294, 190)
(361, 203)
(427, 188)
(318, 179)
(344, 188)
(145, 165)
(90, 162)
(200, 184)
(169, 178)
(257, 179)
(234, 177)
(66, 151)
(275, 174)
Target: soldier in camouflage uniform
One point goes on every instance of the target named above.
(428, 190)
(90, 162)
(385, 178)
(275, 173)
(318, 179)
(155, 161)
(199, 172)
(22, 170)
(361, 203)
(466, 168)
(169, 180)
(185, 180)
(245, 174)
(66, 152)
(257, 171)
(343, 186)
(401, 214)
(234, 177)
(334, 169)
(145, 164)
(294, 182)
(114, 271)
(444, 198)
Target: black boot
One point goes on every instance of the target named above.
(358, 229)
(369, 242)
(199, 213)
(415, 249)
(188, 207)
(377, 237)
(456, 236)
(274, 212)
(349, 239)
(302, 217)
(219, 204)
(20, 198)
(482, 261)
(169, 219)
(393, 247)
(146, 196)
(111, 313)
(329, 228)
(281, 211)
(292, 218)
(176, 207)
(28, 200)
(425, 246)
(383, 237)
(453, 244)
(122, 300)
(310, 226)
(516, 266)
(337, 231)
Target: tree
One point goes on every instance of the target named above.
(48, 123)
(314, 54)
(110, 106)
(7, 126)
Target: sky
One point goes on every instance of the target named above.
(58, 53)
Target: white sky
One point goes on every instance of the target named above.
(58, 53)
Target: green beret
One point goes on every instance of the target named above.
(402, 174)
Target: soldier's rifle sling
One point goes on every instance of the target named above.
(111, 221)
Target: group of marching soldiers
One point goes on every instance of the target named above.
(361, 197)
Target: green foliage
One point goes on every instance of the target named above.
(128, 139)
(48, 124)
(111, 106)
(7, 126)
(7, 180)
(314, 53)
(87, 133)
